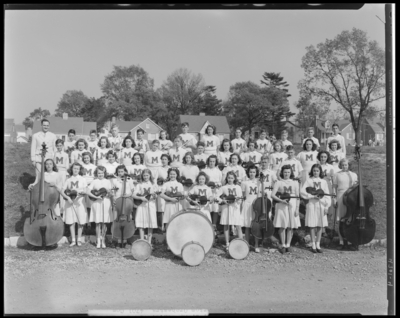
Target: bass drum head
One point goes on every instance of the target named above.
(141, 250)
(238, 248)
(188, 226)
(193, 253)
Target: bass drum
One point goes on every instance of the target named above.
(193, 253)
(188, 226)
(141, 250)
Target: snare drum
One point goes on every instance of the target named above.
(238, 248)
(193, 253)
(188, 226)
(141, 250)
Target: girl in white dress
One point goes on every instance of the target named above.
(127, 151)
(335, 154)
(342, 180)
(172, 205)
(328, 171)
(230, 214)
(117, 187)
(211, 141)
(252, 154)
(236, 167)
(80, 147)
(316, 207)
(101, 208)
(278, 156)
(88, 173)
(238, 144)
(54, 179)
(201, 189)
(225, 152)
(137, 167)
(112, 164)
(286, 213)
(190, 171)
(75, 210)
(146, 214)
(200, 156)
(101, 152)
(214, 175)
(161, 177)
(61, 160)
(250, 189)
(165, 144)
(307, 158)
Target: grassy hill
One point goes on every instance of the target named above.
(17, 161)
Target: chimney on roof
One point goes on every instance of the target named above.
(202, 114)
(65, 116)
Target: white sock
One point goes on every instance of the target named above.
(318, 245)
(313, 245)
(341, 242)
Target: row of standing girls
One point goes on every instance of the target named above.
(232, 170)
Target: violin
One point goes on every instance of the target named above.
(248, 164)
(230, 199)
(318, 192)
(44, 227)
(357, 226)
(102, 192)
(177, 195)
(138, 202)
(195, 199)
(123, 226)
(262, 224)
(212, 185)
(285, 196)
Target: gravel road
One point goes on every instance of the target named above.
(75, 280)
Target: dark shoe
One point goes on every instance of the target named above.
(282, 250)
(319, 250)
(289, 249)
(353, 248)
(313, 250)
(342, 247)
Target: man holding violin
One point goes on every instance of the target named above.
(44, 136)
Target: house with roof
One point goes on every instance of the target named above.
(10, 134)
(61, 125)
(372, 129)
(199, 123)
(151, 129)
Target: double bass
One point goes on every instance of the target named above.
(262, 225)
(44, 227)
(357, 226)
(123, 226)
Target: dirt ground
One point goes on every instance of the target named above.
(74, 280)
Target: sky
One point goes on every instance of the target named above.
(50, 52)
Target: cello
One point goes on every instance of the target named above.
(123, 226)
(44, 227)
(357, 226)
(262, 225)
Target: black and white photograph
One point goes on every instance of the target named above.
(188, 159)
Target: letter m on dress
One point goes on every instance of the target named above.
(309, 157)
(174, 189)
(75, 185)
(287, 189)
(59, 160)
(232, 191)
